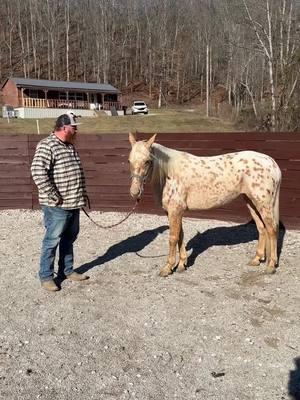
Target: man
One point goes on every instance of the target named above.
(56, 170)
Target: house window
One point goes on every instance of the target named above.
(70, 96)
(76, 96)
(62, 95)
(35, 94)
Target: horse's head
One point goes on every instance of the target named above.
(140, 160)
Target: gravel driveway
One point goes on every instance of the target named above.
(220, 330)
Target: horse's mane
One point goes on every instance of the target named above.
(164, 164)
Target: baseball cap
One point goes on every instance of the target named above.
(66, 119)
(73, 118)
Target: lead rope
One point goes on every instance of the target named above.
(112, 225)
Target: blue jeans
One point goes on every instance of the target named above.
(62, 228)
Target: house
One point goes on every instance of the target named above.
(41, 98)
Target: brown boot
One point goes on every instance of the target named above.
(74, 276)
(50, 286)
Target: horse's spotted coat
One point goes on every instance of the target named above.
(183, 181)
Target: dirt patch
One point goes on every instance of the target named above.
(220, 330)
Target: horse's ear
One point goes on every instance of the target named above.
(132, 139)
(151, 141)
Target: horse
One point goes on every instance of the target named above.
(182, 181)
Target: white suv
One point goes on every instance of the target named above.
(139, 107)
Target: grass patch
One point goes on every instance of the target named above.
(183, 120)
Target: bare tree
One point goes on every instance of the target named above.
(173, 49)
(67, 33)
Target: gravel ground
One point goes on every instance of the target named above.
(220, 330)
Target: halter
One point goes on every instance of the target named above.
(143, 178)
(140, 178)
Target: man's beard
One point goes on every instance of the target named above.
(72, 138)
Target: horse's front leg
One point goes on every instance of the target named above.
(175, 222)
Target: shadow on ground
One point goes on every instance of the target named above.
(294, 381)
(220, 236)
(132, 244)
(226, 236)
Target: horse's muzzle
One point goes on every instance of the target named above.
(136, 188)
(136, 193)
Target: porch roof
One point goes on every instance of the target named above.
(63, 85)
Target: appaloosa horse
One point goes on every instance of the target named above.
(183, 181)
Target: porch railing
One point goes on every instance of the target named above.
(107, 105)
(54, 103)
(72, 104)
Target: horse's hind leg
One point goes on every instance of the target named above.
(262, 235)
(175, 222)
(182, 253)
(270, 216)
(272, 230)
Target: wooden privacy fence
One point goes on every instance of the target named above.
(105, 156)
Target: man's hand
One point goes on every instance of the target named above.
(59, 201)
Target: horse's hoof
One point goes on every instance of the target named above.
(181, 268)
(271, 270)
(254, 262)
(165, 272)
